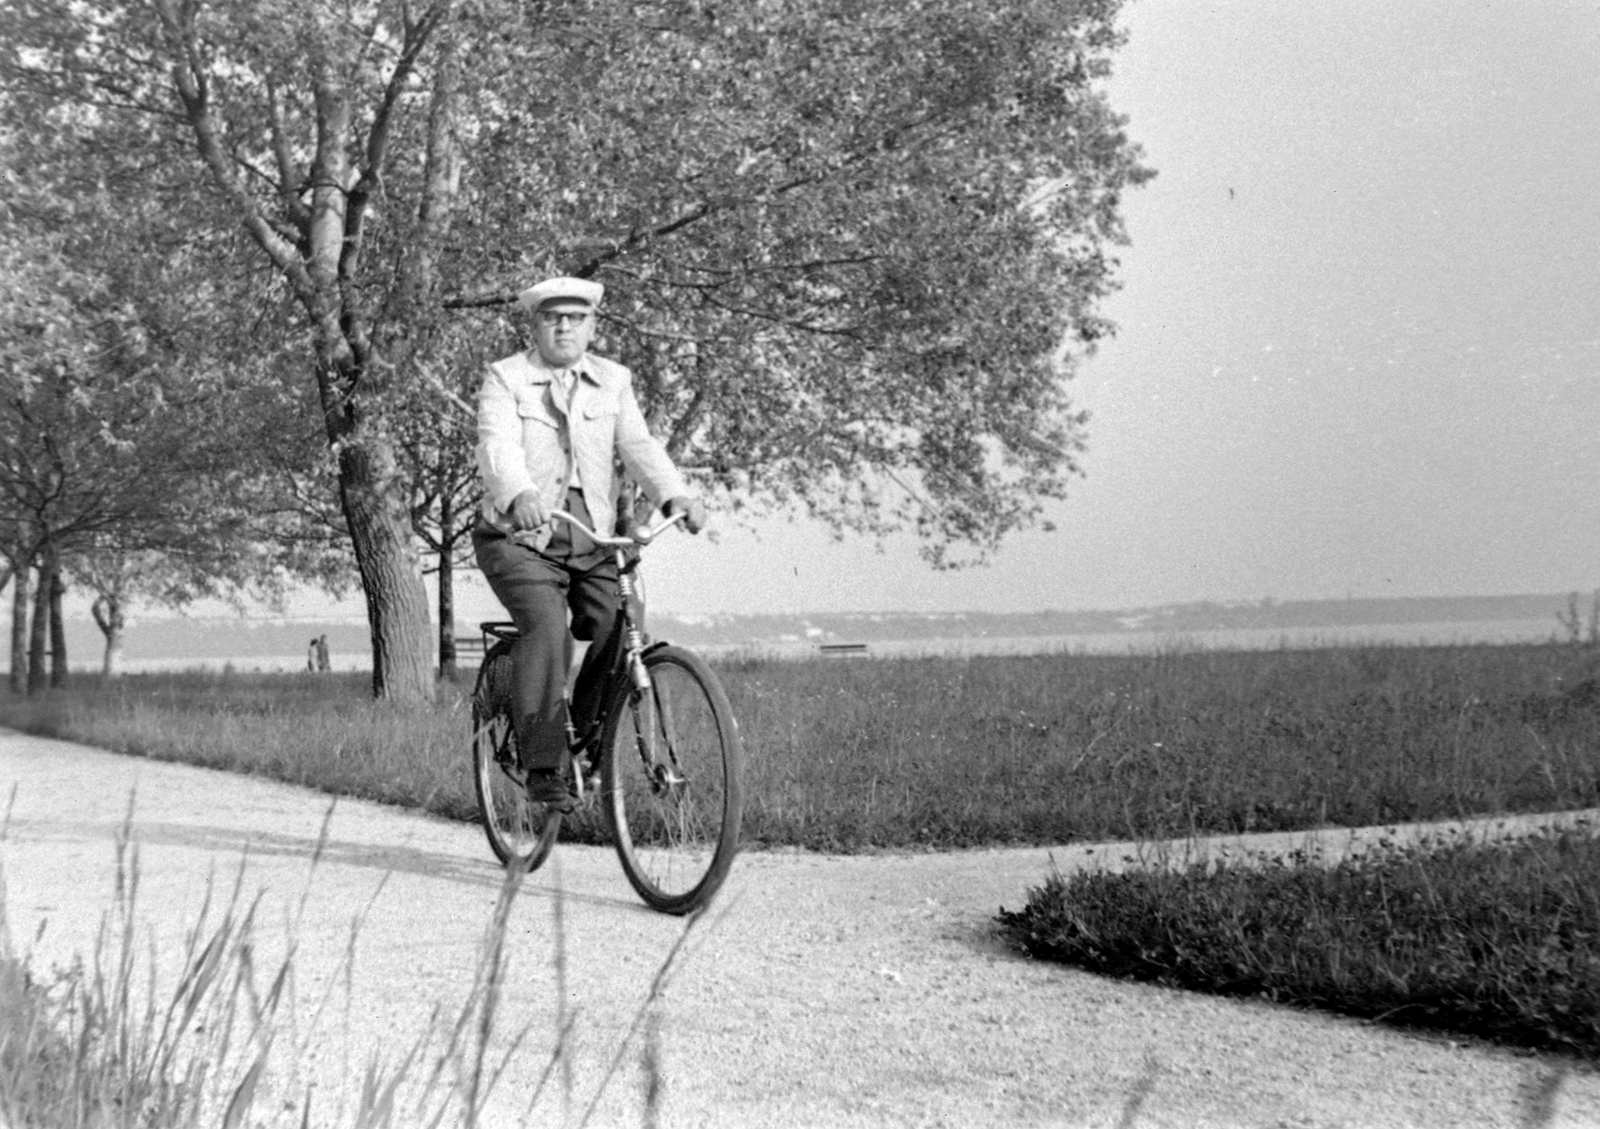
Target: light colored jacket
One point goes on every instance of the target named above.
(527, 439)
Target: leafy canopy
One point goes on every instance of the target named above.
(853, 251)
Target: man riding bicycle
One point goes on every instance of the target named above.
(553, 423)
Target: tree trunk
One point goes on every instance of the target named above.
(397, 600)
(58, 630)
(447, 590)
(38, 672)
(447, 617)
(21, 600)
(111, 665)
(111, 619)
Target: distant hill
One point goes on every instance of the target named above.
(227, 637)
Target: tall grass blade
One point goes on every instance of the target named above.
(658, 985)
(243, 1096)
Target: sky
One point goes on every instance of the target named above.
(1359, 344)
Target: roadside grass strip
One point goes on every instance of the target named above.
(940, 753)
(1494, 940)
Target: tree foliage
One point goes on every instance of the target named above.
(853, 251)
(121, 431)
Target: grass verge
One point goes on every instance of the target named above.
(988, 750)
(1494, 940)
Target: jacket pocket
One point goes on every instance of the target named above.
(531, 408)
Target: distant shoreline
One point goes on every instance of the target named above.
(1471, 632)
(1152, 642)
(246, 643)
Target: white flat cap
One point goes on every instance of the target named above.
(572, 289)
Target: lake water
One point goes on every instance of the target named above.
(1110, 643)
(1152, 642)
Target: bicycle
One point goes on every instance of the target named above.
(665, 770)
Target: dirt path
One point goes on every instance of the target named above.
(861, 991)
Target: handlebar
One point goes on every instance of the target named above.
(641, 535)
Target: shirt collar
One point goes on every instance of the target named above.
(581, 369)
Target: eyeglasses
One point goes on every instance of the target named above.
(553, 317)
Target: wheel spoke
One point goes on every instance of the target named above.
(517, 830)
(673, 797)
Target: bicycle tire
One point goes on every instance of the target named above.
(518, 832)
(671, 782)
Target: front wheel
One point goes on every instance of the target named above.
(670, 782)
(518, 831)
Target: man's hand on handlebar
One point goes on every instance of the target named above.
(527, 511)
(693, 510)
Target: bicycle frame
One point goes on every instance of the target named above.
(632, 657)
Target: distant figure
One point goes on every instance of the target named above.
(311, 657)
(322, 654)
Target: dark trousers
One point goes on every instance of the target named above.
(539, 589)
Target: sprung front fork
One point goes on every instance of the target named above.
(635, 635)
(659, 761)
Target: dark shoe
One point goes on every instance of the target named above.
(550, 789)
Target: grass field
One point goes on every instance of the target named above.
(861, 754)
(850, 755)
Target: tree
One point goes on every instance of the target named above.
(114, 441)
(41, 498)
(852, 251)
(21, 597)
(120, 578)
(253, 91)
(434, 437)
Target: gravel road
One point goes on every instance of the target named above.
(820, 991)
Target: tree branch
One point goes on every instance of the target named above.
(190, 80)
(291, 177)
(415, 39)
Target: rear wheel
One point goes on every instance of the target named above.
(518, 831)
(671, 782)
